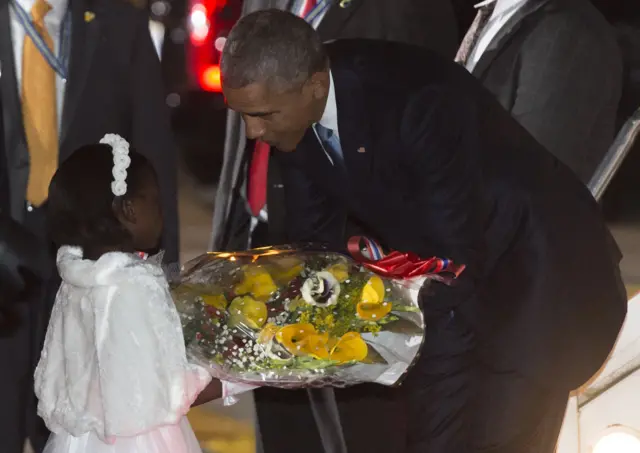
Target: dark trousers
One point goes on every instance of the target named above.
(19, 355)
(464, 403)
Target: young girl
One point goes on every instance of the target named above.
(113, 376)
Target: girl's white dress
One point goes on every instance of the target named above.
(113, 376)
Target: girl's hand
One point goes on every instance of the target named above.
(213, 391)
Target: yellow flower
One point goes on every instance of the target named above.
(293, 337)
(315, 345)
(373, 291)
(373, 311)
(245, 309)
(215, 300)
(286, 268)
(304, 340)
(340, 271)
(372, 306)
(350, 347)
(256, 282)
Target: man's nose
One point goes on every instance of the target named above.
(254, 128)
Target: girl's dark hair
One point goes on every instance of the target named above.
(80, 206)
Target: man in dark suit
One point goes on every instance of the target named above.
(90, 68)
(556, 66)
(411, 147)
(425, 23)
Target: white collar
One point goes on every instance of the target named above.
(330, 116)
(58, 9)
(109, 269)
(501, 6)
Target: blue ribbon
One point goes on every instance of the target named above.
(60, 63)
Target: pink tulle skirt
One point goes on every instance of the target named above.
(177, 438)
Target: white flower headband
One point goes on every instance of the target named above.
(121, 162)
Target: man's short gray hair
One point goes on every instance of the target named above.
(273, 47)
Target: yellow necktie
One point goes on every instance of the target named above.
(39, 111)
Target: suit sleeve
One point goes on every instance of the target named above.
(440, 134)
(569, 76)
(311, 216)
(151, 129)
(427, 23)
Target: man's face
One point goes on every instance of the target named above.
(279, 118)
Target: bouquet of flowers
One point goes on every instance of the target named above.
(288, 317)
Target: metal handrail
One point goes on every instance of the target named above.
(615, 156)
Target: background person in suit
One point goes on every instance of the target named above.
(427, 161)
(556, 66)
(91, 68)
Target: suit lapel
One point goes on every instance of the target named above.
(354, 126)
(337, 16)
(12, 110)
(505, 34)
(85, 35)
(317, 161)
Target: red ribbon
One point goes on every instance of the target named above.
(404, 265)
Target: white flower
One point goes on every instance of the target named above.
(321, 289)
(121, 162)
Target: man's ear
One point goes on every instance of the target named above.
(124, 209)
(320, 84)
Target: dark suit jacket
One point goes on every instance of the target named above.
(556, 66)
(446, 171)
(426, 23)
(115, 85)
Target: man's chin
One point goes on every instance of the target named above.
(283, 148)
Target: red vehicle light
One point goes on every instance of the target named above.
(199, 25)
(210, 79)
(209, 24)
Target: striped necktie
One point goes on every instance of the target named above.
(307, 7)
(475, 30)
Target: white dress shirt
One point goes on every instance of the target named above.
(330, 115)
(329, 121)
(53, 21)
(503, 11)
